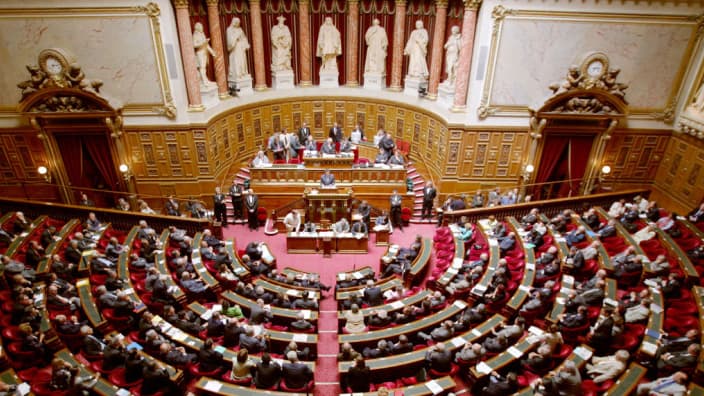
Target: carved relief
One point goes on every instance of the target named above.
(694, 175)
(399, 128)
(57, 69)
(454, 148)
(201, 152)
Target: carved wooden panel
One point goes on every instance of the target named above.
(633, 155)
(680, 174)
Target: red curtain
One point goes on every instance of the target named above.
(99, 151)
(552, 152)
(72, 154)
(580, 147)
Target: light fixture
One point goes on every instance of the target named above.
(527, 171)
(125, 170)
(605, 171)
(44, 172)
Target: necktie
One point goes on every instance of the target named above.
(663, 385)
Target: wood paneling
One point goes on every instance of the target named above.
(680, 177)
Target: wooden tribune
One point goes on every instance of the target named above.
(328, 204)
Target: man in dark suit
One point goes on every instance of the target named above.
(359, 228)
(499, 386)
(358, 376)
(373, 294)
(219, 207)
(276, 146)
(295, 374)
(303, 133)
(208, 358)
(252, 204)
(680, 360)
(327, 180)
(336, 133)
(601, 335)
(236, 196)
(253, 344)
(267, 373)
(439, 359)
(429, 194)
(387, 144)
(365, 211)
(396, 200)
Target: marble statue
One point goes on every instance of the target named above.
(377, 42)
(329, 46)
(452, 54)
(237, 46)
(280, 46)
(416, 49)
(203, 51)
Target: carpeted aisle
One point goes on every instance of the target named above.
(326, 376)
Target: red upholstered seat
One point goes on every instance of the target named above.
(307, 388)
(117, 377)
(261, 214)
(195, 370)
(242, 382)
(437, 374)
(43, 389)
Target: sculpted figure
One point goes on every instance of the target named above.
(202, 46)
(377, 42)
(416, 49)
(574, 77)
(280, 46)
(452, 54)
(237, 46)
(329, 45)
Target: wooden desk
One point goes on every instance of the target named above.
(290, 290)
(160, 264)
(381, 236)
(684, 262)
(329, 161)
(420, 264)
(579, 359)
(389, 308)
(628, 381)
(515, 352)
(384, 283)
(310, 243)
(24, 237)
(521, 294)
(67, 230)
(200, 268)
(89, 306)
(604, 258)
(282, 316)
(102, 387)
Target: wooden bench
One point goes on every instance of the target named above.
(523, 292)
(389, 307)
(238, 266)
(420, 264)
(396, 366)
(84, 264)
(200, 268)
(503, 359)
(45, 264)
(282, 316)
(290, 290)
(494, 256)
(655, 324)
(160, 264)
(385, 284)
(690, 272)
(280, 338)
(90, 308)
(604, 258)
(452, 271)
(23, 238)
(392, 333)
(579, 356)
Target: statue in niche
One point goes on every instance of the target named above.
(201, 44)
(280, 46)
(377, 43)
(237, 46)
(452, 54)
(329, 46)
(416, 49)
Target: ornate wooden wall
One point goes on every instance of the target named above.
(21, 153)
(680, 178)
(634, 155)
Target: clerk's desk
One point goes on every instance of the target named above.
(312, 242)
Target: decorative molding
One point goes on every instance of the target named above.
(181, 3)
(500, 14)
(472, 4)
(149, 9)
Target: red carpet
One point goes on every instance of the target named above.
(326, 376)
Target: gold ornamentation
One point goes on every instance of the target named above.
(668, 114)
(593, 73)
(699, 19)
(440, 3)
(485, 111)
(499, 12)
(150, 9)
(472, 4)
(180, 3)
(57, 69)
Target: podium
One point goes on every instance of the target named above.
(329, 204)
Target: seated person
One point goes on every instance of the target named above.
(359, 228)
(260, 159)
(680, 360)
(382, 221)
(608, 367)
(311, 147)
(242, 366)
(341, 226)
(266, 373)
(295, 375)
(310, 227)
(92, 223)
(328, 147)
(397, 159)
(382, 157)
(439, 359)
(346, 146)
(327, 180)
(672, 385)
(358, 377)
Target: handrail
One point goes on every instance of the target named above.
(118, 218)
(549, 207)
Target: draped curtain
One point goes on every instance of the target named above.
(99, 152)
(72, 154)
(564, 157)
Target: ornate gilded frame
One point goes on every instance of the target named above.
(151, 11)
(500, 14)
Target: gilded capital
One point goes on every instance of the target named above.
(400, 3)
(353, 3)
(212, 2)
(472, 4)
(441, 3)
(306, 2)
(180, 3)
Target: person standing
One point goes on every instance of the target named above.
(252, 204)
(236, 196)
(219, 207)
(396, 200)
(365, 211)
(336, 133)
(303, 133)
(429, 194)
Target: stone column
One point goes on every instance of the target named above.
(397, 54)
(188, 55)
(437, 47)
(352, 55)
(255, 18)
(216, 43)
(469, 25)
(304, 51)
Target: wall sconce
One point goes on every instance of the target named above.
(44, 172)
(604, 173)
(527, 172)
(125, 170)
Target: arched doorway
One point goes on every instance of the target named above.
(563, 163)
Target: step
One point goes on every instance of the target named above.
(244, 176)
(418, 181)
(415, 177)
(244, 169)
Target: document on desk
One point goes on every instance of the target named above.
(434, 387)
